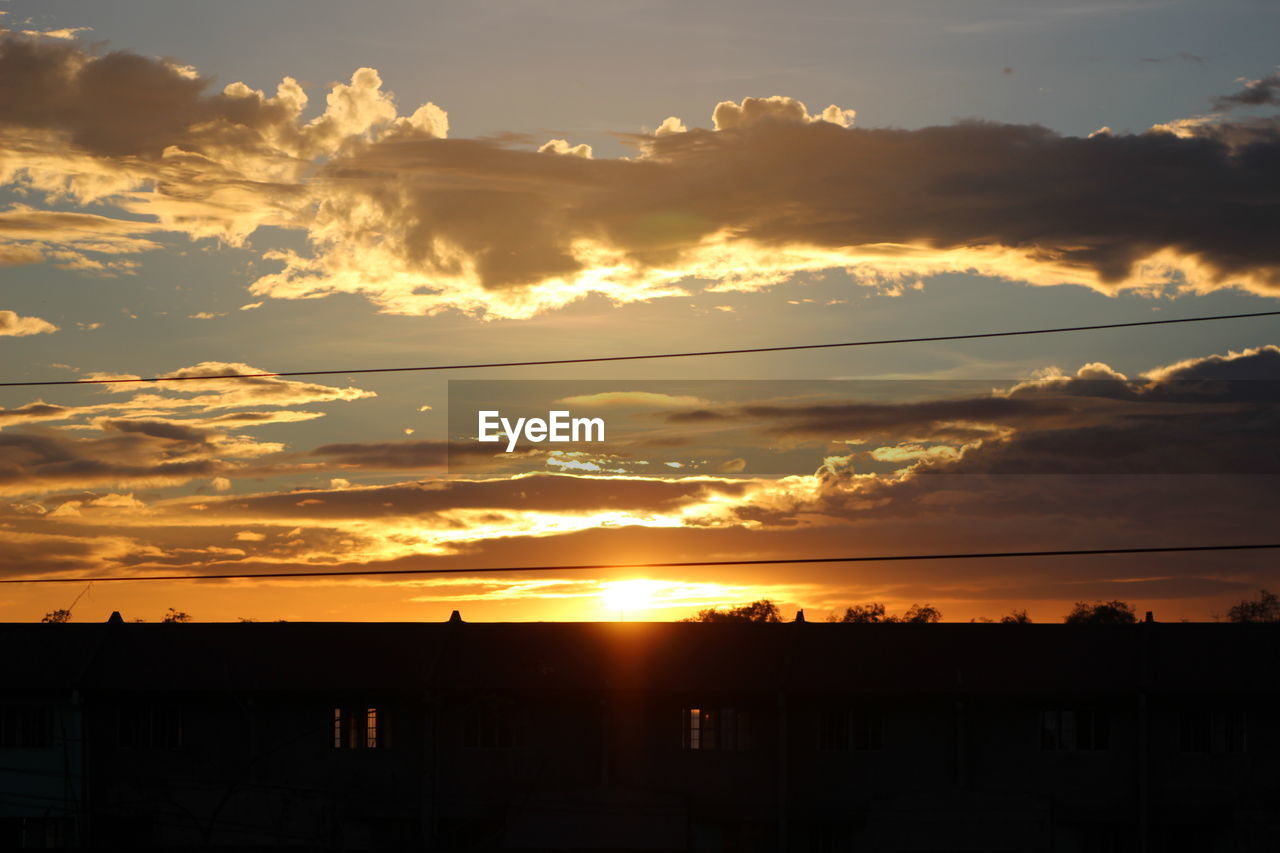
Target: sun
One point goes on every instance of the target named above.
(629, 596)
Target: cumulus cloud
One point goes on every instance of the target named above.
(730, 115)
(15, 325)
(562, 146)
(146, 135)
(422, 226)
(418, 223)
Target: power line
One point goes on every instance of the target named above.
(882, 558)
(743, 351)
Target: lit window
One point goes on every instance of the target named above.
(1074, 730)
(717, 728)
(358, 727)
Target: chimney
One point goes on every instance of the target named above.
(800, 615)
(1149, 617)
(455, 618)
(115, 618)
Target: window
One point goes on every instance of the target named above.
(26, 727)
(1212, 731)
(488, 726)
(1074, 730)
(359, 727)
(842, 729)
(144, 726)
(717, 728)
(32, 832)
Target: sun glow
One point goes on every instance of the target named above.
(629, 596)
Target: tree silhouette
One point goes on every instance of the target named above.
(1016, 617)
(1264, 608)
(1101, 613)
(920, 614)
(763, 610)
(863, 614)
(57, 616)
(176, 616)
(917, 614)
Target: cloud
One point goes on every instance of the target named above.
(253, 390)
(1208, 415)
(36, 460)
(146, 135)
(562, 146)
(1264, 91)
(161, 434)
(387, 455)
(631, 399)
(31, 412)
(729, 115)
(1058, 430)
(418, 223)
(538, 493)
(64, 34)
(1180, 56)
(18, 326)
(72, 241)
(422, 226)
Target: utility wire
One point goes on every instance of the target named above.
(742, 351)
(682, 564)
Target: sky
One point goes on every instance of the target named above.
(210, 189)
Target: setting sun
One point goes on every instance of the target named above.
(629, 596)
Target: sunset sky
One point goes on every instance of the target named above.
(239, 187)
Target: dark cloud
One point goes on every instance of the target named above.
(167, 430)
(1180, 56)
(1062, 208)
(386, 455)
(1256, 93)
(541, 493)
(1211, 415)
(419, 224)
(37, 460)
(37, 411)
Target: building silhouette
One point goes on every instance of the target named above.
(641, 736)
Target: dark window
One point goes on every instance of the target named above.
(146, 726)
(1074, 730)
(24, 833)
(843, 729)
(717, 728)
(1213, 731)
(488, 726)
(26, 727)
(359, 727)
